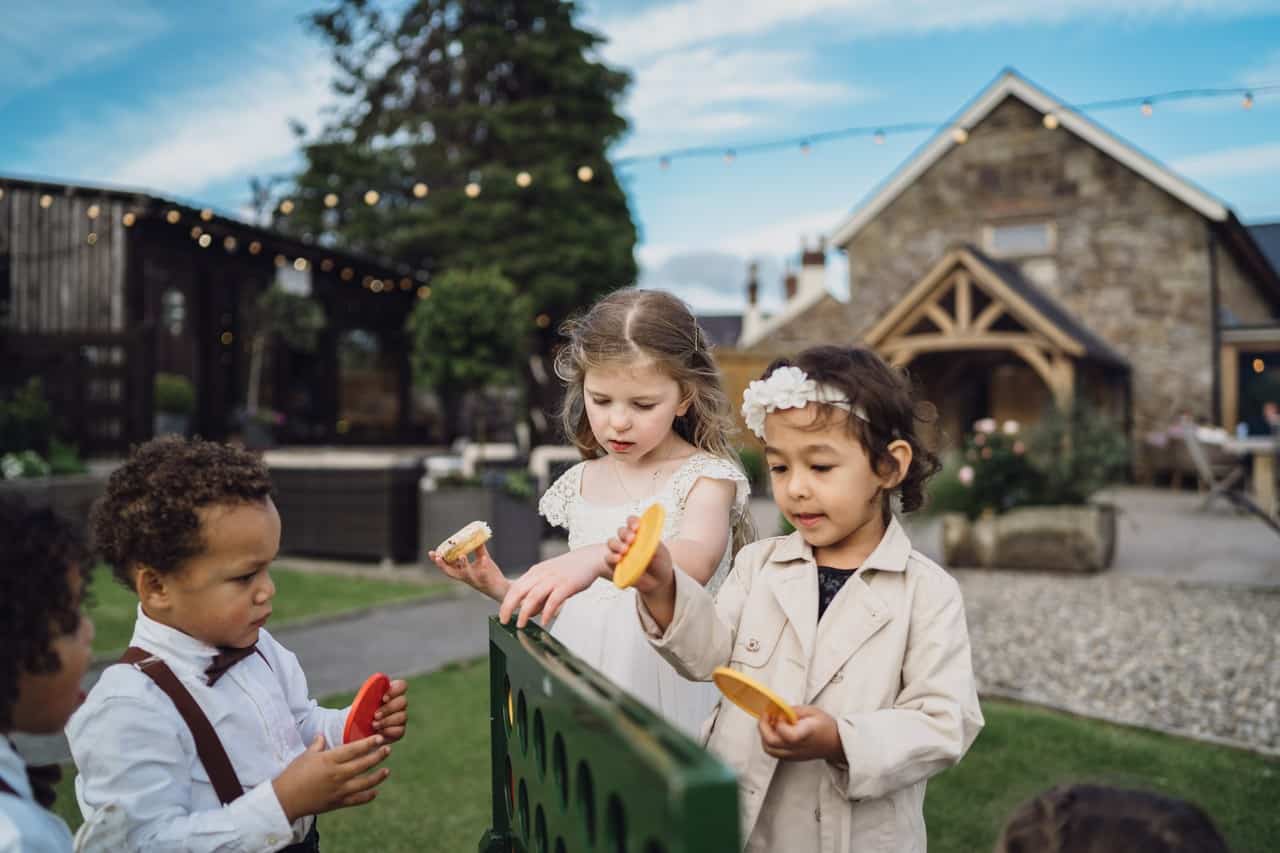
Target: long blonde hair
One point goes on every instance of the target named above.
(630, 325)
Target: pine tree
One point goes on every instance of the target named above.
(506, 95)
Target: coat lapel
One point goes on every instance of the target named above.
(793, 579)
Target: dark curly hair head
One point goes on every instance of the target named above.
(886, 395)
(147, 517)
(1100, 819)
(37, 603)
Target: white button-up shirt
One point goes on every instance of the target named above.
(139, 775)
(25, 826)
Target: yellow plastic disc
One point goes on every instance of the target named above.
(750, 695)
(637, 557)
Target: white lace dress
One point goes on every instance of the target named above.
(599, 624)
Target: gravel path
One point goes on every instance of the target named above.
(1195, 660)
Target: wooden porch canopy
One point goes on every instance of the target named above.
(969, 302)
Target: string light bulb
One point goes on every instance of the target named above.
(420, 190)
(1051, 121)
(805, 147)
(542, 321)
(585, 173)
(173, 217)
(326, 265)
(91, 239)
(281, 260)
(424, 292)
(196, 231)
(255, 247)
(229, 243)
(347, 274)
(331, 200)
(878, 137)
(406, 283)
(46, 201)
(1247, 102)
(472, 190)
(128, 219)
(206, 215)
(205, 241)
(1147, 108)
(664, 163)
(300, 264)
(1258, 365)
(371, 197)
(524, 179)
(960, 135)
(730, 155)
(93, 211)
(286, 206)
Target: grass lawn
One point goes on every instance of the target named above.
(298, 595)
(437, 796)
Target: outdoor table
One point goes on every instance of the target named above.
(1264, 450)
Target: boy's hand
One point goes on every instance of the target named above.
(657, 586)
(544, 588)
(321, 780)
(813, 737)
(393, 714)
(482, 573)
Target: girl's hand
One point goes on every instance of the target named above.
(393, 713)
(544, 588)
(813, 737)
(657, 586)
(482, 573)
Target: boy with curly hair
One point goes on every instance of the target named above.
(46, 639)
(208, 740)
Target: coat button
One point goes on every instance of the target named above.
(817, 813)
(837, 678)
(753, 645)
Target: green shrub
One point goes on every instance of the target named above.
(753, 466)
(64, 458)
(174, 394)
(26, 423)
(24, 463)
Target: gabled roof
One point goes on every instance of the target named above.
(722, 330)
(1267, 236)
(794, 308)
(1024, 301)
(1012, 84)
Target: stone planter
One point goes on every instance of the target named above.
(71, 496)
(340, 504)
(517, 527)
(1049, 538)
(168, 423)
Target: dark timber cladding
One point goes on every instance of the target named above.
(102, 288)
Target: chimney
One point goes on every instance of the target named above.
(752, 319)
(813, 270)
(789, 285)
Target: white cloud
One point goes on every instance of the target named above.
(671, 26)
(1263, 159)
(183, 142)
(43, 42)
(712, 278)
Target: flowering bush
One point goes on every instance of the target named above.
(1064, 460)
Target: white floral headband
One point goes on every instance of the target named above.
(789, 388)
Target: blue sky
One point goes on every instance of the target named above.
(190, 100)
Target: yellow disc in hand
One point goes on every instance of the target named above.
(637, 557)
(750, 695)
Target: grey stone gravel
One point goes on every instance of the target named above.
(1202, 661)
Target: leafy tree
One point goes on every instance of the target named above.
(505, 94)
(461, 336)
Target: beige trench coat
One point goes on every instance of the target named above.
(890, 662)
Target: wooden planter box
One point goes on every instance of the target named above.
(348, 505)
(71, 495)
(1044, 538)
(517, 527)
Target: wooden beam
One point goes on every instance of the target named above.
(964, 300)
(913, 297)
(988, 316)
(949, 343)
(940, 318)
(1229, 361)
(1022, 310)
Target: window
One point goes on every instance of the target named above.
(1020, 239)
(6, 293)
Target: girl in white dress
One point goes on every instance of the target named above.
(645, 407)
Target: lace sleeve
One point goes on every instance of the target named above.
(555, 501)
(714, 468)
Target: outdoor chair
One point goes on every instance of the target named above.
(1225, 477)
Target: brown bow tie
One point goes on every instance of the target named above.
(226, 658)
(42, 778)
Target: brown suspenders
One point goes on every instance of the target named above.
(212, 754)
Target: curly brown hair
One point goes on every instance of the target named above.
(36, 600)
(147, 517)
(1099, 819)
(885, 394)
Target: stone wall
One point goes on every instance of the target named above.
(1130, 261)
(1239, 301)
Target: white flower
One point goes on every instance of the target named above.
(965, 475)
(1011, 427)
(987, 425)
(788, 388)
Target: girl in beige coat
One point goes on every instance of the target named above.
(863, 635)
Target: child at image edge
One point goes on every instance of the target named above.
(190, 526)
(862, 635)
